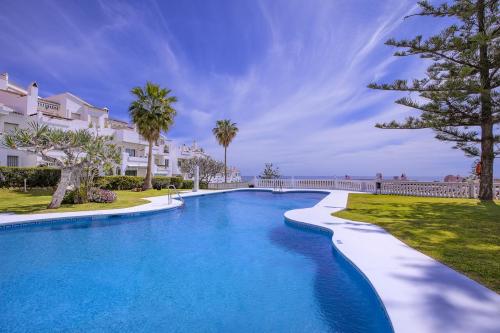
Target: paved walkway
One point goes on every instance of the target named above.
(420, 294)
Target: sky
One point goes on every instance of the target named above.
(291, 73)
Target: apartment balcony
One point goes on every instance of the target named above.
(136, 161)
(162, 170)
(49, 108)
(130, 136)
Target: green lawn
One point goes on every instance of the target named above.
(461, 233)
(36, 201)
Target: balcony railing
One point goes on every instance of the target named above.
(48, 107)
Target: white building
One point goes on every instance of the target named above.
(19, 106)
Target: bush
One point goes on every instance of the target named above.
(116, 183)
(100, 195)
(119, 182)
(35, 176)
(161, 182)
(187, 183)
(176, 181)
(76, 196)
(69, 197)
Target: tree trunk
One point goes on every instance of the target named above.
(487, 157)
(487, 141)
(148, 181)
(58, 196)
(225, 164)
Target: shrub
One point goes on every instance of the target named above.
(35, 176)
(76, 196)
(119, 182)
(132, 182)
(69, 197)
(176, 181)
(100, 195)
(187, 183)
(161, 182)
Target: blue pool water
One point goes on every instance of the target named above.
(224, 263)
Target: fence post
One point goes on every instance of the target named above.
(196, 179)
(471, 189)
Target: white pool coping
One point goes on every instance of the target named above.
(419, 294)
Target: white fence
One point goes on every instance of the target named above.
(425, 189)
(325, 184)
(227, 186)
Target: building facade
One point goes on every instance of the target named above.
(19, 106)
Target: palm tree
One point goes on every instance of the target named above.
(152, 112)
(224, 132)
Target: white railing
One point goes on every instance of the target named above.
(429, 189)
(424, 189)
(326, 184)
(227, 186)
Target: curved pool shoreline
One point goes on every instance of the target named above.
(418, 293)
(284, 270)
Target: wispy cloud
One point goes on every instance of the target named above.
(292, 74)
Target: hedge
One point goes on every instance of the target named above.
(130, 182)
(35, 177)
(49, 177)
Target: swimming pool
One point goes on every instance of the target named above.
(226, 262)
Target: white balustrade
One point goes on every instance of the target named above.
(424, 189)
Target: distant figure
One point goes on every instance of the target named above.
(479, 167)
(378, 183)
(403, 177)
(347, 177)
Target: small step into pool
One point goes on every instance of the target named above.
(225, 263)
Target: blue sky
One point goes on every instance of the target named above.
(291, 73)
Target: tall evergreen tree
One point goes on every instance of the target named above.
(459, 97)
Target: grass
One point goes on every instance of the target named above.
(36, 201)
(461, 233)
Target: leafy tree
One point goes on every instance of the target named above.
(209, 168)
(152, 112)
(75, 152)
(224, 132)
(459, 96)
(270, 172)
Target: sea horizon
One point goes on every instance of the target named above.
(354, 177)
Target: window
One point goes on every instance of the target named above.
(130, 151)
(94, 121)
(9, 127)
(76, 116)
(166, 163)
(130, 172)
(12, 161)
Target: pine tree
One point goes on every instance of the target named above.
(459, 95)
